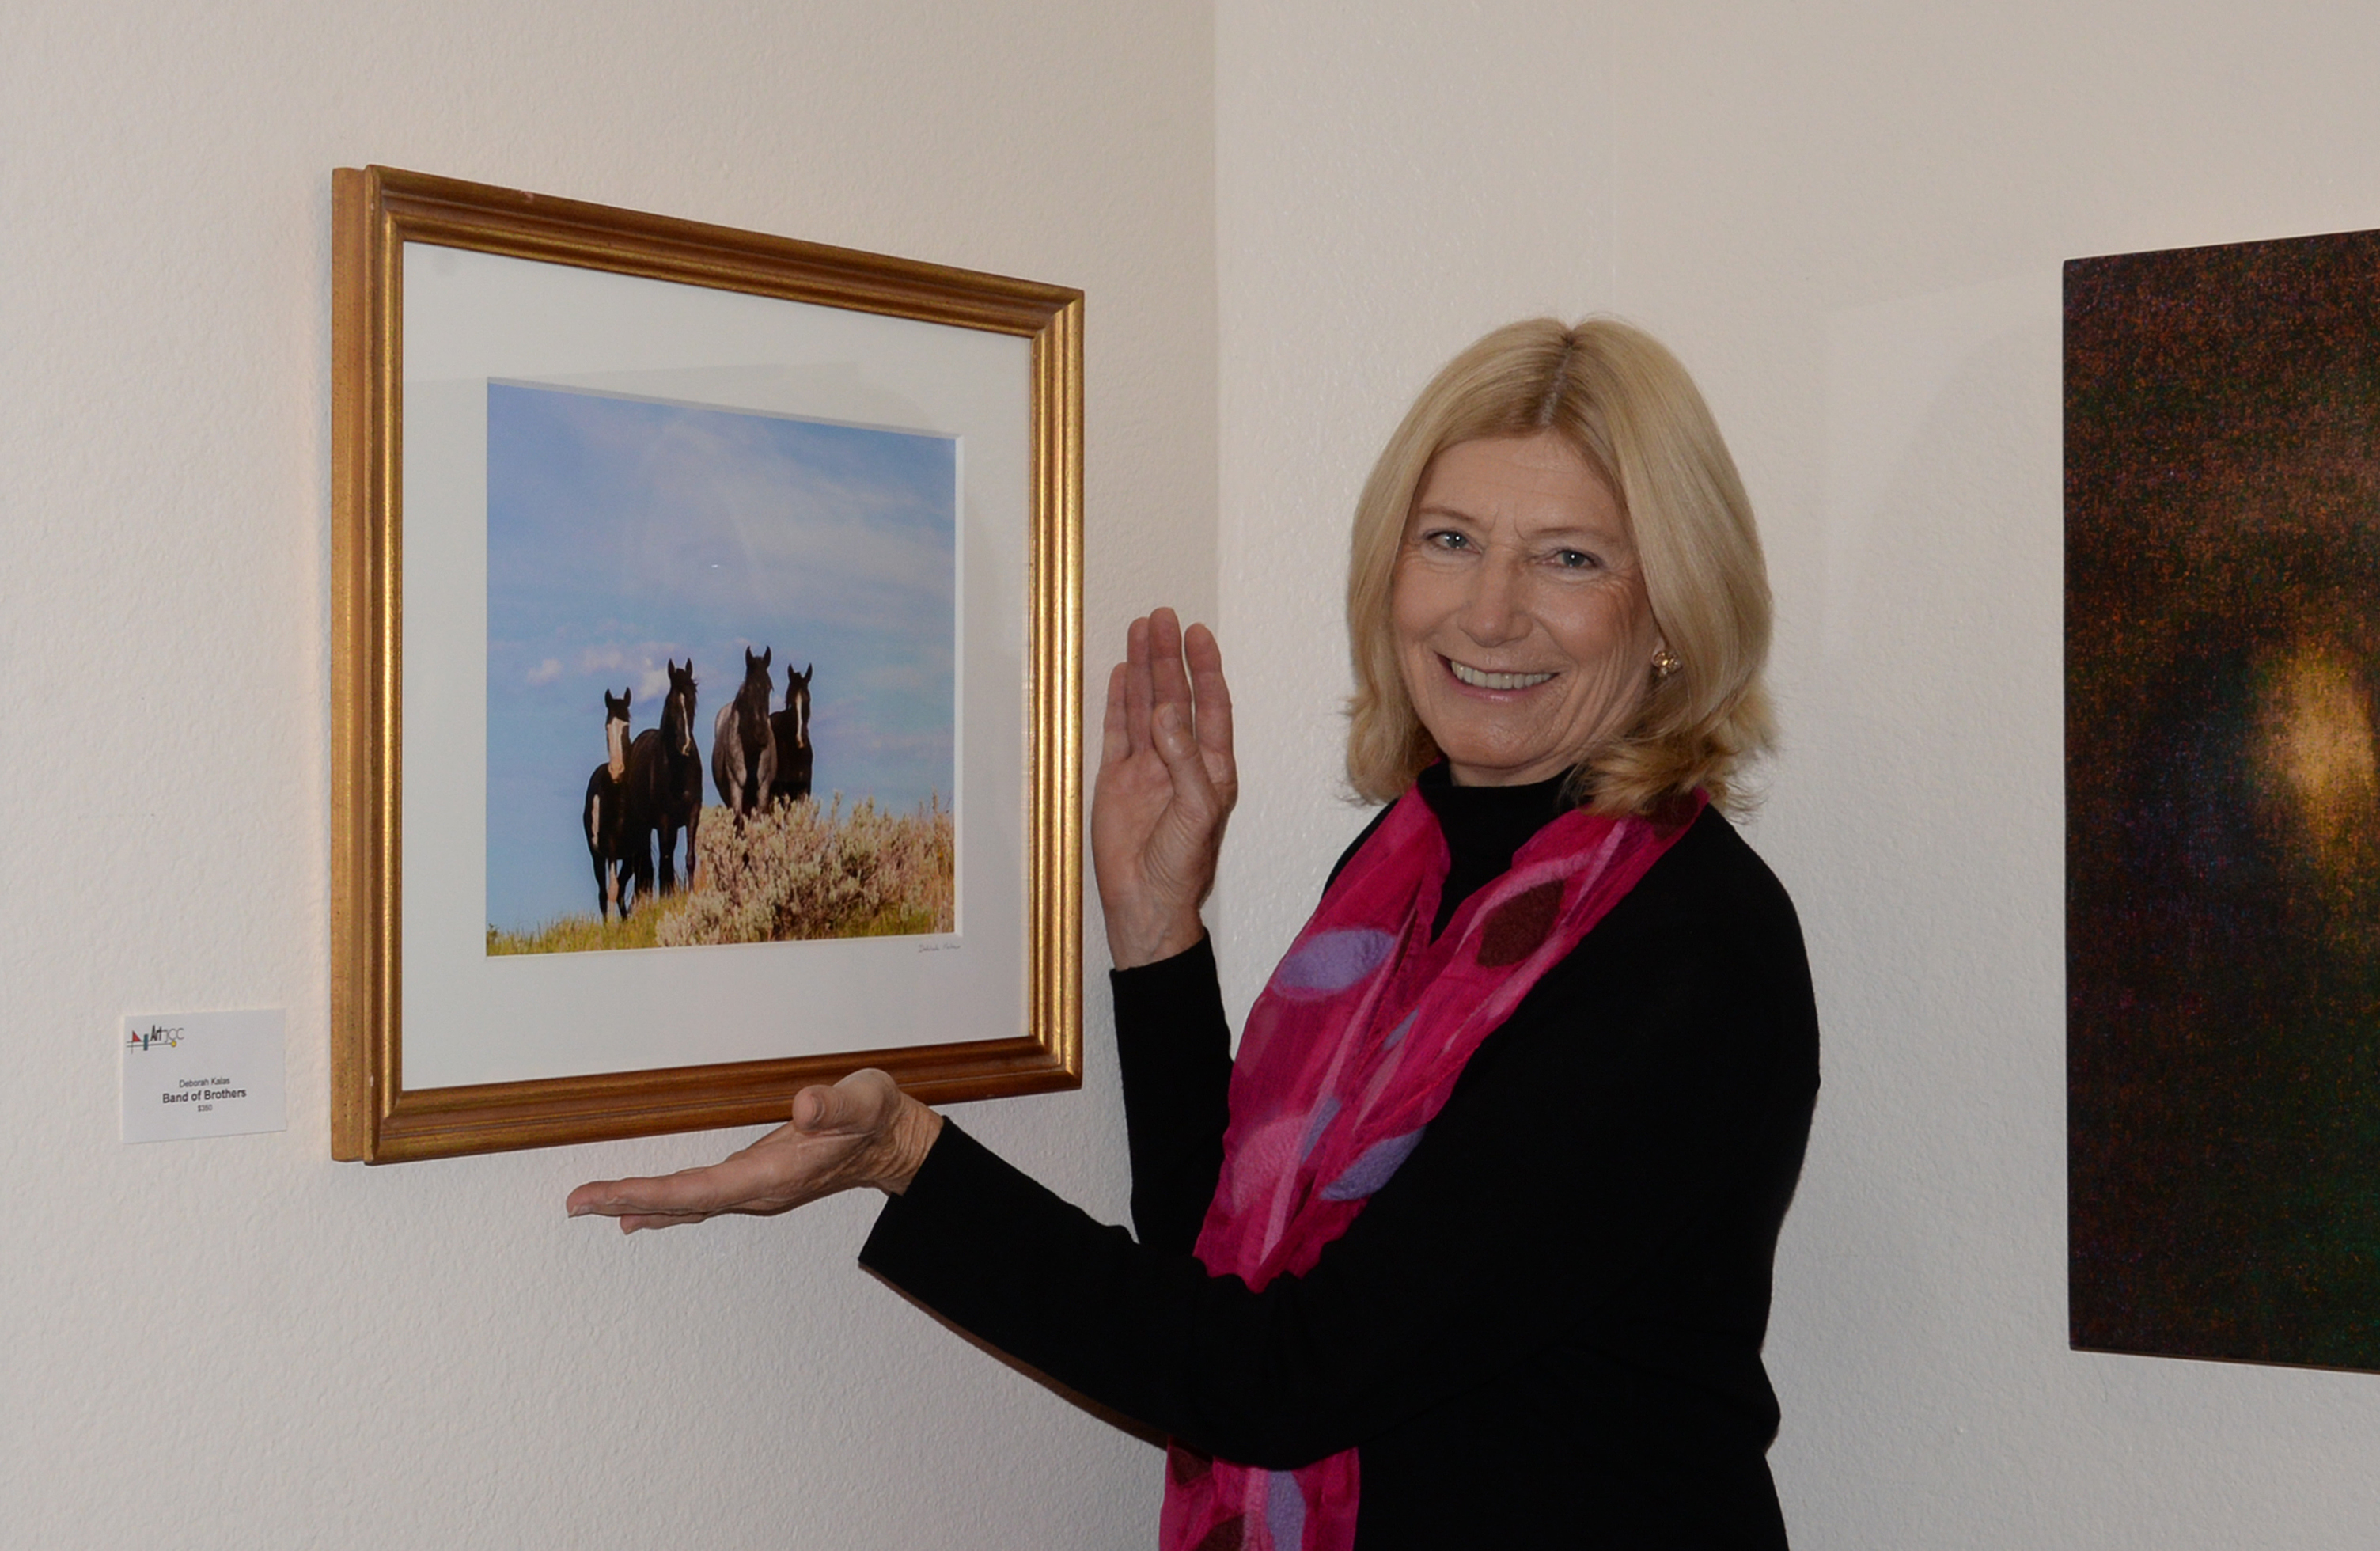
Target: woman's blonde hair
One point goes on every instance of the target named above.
(1632, 412)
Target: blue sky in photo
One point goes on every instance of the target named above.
(624, 533)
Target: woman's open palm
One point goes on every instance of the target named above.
(1165, 789)
(862, 1131)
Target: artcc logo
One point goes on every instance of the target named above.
(156, 1034)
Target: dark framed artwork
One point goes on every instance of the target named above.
(705, 672)
(2223, 801)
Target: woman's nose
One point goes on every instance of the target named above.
(1493, 613)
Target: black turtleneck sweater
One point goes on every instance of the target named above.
(1483, 825)
(1545, 1329)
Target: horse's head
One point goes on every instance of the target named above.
(616, 730)
(677, 711)
(797, 699)
(752, 698)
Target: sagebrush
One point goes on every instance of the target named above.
(807, 870)
(798, 871)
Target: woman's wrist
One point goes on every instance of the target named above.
(1132, 943)
(915, 1130)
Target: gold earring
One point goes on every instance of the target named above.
(1664, 662)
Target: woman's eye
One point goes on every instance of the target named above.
(1442, 539)
(1576, 560)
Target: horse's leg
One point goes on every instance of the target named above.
(590, 817)
(693, 823)
(593, 819)
(668, 856)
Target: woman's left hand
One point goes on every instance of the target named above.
(862, 1131)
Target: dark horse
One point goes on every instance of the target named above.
(743, 750)
(791, 728)
(603, 811)
(664, 789)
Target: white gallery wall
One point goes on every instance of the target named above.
(236, 1342)
(1849, 220)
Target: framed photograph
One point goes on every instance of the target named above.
(705, 672)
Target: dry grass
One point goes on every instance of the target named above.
(581, 934)
(798, 871)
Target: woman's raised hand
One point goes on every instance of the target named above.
(862, 1131)
(1165, 789)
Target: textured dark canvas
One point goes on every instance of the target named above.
(2223, 800)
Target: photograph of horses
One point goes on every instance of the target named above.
(2223, 801)
(721, 676)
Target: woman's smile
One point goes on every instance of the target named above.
(1482, 678)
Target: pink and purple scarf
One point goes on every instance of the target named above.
(1348, 1054)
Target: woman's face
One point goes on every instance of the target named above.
(1522, 624)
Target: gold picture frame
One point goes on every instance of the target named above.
(956, 1040)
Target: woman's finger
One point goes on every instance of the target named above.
(690, 1190)
(1115, 742)
(1136, 684)
(1210, 694)
(638, 1220)
(758, 1176)
(1168, 684)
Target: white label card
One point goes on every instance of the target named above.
(190, 1074)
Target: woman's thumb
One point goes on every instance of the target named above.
(822, 1109)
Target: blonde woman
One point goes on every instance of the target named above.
(1471, 1244)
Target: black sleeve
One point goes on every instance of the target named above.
(1600, 1131)
(1173, 1047)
